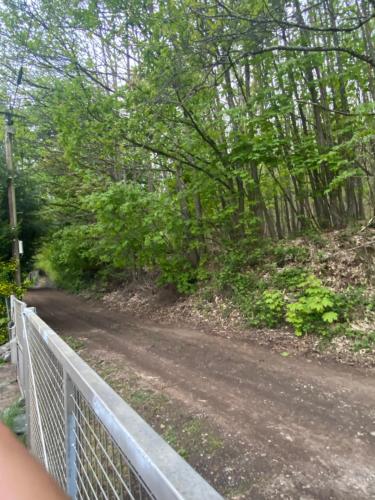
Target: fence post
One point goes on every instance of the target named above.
(12, 333)
(25, 348)
(13, 343)
(70, 438)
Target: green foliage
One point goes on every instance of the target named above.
(131, 230)
(291, 295)
(4, 337)
(8, 415)
(289, 278)
(283, 255)
(314, 310)
(31, 225)
(362, 340)
(66, 258)
(274, 304)
(268, 310)
(234, 275)
(7, 288)
(270, 296)
(186, 163)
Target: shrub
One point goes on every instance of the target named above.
(289, 278)
(352, 302)
(131, 231)
(3, 326)
(7, 288)
(271, 308)
(285, 254)
(262, 308)
(315, 308)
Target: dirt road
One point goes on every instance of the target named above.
(301, 429)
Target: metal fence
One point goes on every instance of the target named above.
(93, 443)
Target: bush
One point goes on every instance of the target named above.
(285, 254)
(131, 231)
(270, 296)
(354, 302)
(233, 276)
(7, 288)
(289, 278)
(66, 257)
(262, 308)
(3, 326)
(281, 290)
(269, 309)
(315, 308)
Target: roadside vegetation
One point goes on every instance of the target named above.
(213, 147)
(7, 288)
(291, 284)
(296, 296)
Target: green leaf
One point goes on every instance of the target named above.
(330, 317)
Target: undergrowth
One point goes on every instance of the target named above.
(272, 285)
(276, 287)
(7, 288)
(10, 415)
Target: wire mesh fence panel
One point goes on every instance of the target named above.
(17, 308)
(87, 437)
(103, 471)
(47, 404)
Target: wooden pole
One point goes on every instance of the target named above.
(9, 132)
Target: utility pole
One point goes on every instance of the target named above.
(9, 133)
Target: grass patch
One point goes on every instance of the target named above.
(9, 415)
(140, 399)
(172, 437)
(197, 431)
(147, 399)
(73, 343)
(193, 437)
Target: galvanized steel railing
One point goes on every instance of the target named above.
(93, 443)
